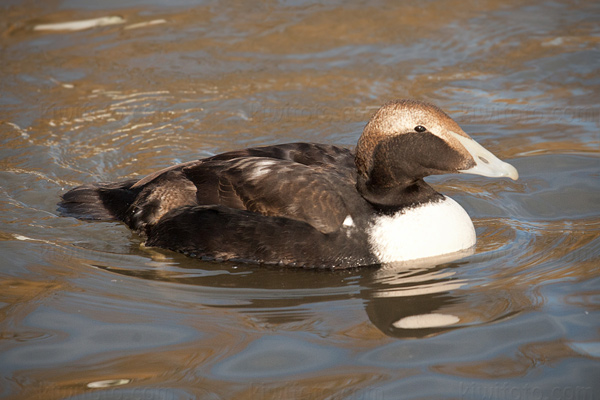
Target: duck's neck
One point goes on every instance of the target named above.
(404, 194)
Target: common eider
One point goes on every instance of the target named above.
(306, 204)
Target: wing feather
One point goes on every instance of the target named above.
(312, 192)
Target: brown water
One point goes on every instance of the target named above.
(89, 314)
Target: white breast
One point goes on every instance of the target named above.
(427, 230)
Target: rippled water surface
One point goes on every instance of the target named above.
(89, 313)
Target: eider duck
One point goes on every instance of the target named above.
(306, 204)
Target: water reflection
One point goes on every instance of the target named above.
(407, 300)
(416, 302)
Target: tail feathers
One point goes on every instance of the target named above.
(103, 201)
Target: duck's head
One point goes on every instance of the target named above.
(407, 140)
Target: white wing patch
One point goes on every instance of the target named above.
(428, 230)
(348, 222)
(258, 168)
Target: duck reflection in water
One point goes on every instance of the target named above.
(405, 300)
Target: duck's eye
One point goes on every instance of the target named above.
(420, 128)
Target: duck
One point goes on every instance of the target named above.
(307, 204)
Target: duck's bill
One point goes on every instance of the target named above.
(486, 163)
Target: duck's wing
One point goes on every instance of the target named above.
(312, 183)
(319, 194)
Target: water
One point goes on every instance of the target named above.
(89, 314)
